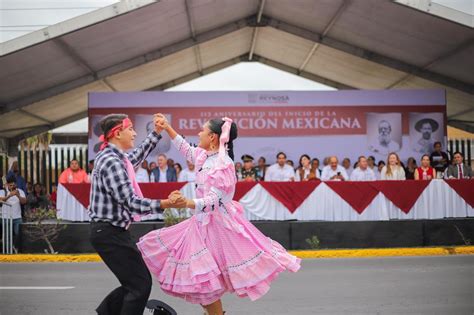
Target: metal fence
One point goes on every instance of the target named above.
(45, 166)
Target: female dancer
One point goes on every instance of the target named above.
(216, 250)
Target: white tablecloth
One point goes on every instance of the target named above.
(437, 201)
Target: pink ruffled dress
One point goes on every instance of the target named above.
(216, 250)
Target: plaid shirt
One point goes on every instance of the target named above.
(112, 197)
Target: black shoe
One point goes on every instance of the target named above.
(160, 308)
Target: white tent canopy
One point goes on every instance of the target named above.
(152, 45)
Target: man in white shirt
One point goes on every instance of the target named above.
(363, 172)
(141, 174)
(188, 174)
(13, 198)
(280, 171)
(346, 163)
(334, 171)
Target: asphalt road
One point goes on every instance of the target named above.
(404, 285)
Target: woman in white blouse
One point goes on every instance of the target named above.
(393, 170)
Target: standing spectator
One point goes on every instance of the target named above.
(37, 199)
(280, 171)
(393, 170)
(238, 171)
(411, 168)
(439, 159)
(362, 172)
(315, 165)
(261, 168)
(305, 170)
(15, 172)
(141, 174)
(178, 168)
(249, 172)
(163, 173)
(346, 163)
(425, 171)
(73, 174)
(334, 171)
(188, 174)
(15, 197)
(459, 169)
(29, 188)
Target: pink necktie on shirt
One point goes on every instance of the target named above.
(133, 179)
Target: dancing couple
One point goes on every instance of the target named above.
(213, 252)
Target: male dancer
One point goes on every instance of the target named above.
(115, 198)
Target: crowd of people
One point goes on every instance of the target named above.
(436, 165)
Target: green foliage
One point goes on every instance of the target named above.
(313, 242)
(174, 216)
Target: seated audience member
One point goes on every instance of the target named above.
(363, 172)
(90, 167)
(346, 163)
(459, 169)
(15, 198)
(151, 167)
(315, 165)
(425, 171)
(439, 159)
(37, 199)
(393, 170)
(141, 173)
(74, 174)
(164, 173)
(410, 169)
(372, 165)
(326, 161)
(188, 174)
(249, 172)
(305, 170)
(178, 168)
(170, 163)
(290, 163)
(280, 171)
(261, 168)
(334, 171)
(238, 170)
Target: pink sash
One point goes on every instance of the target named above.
(136, 188)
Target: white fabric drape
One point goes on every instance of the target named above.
(437, 201)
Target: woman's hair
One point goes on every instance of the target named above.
(301, 159)
(215, 125)
(179, 166)
(110, 121)
(389, 168)
(423, 156)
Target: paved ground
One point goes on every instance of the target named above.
(408, 285)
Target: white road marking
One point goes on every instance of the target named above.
(36, 288)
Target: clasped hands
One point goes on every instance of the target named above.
(177, 200)
(160, 121)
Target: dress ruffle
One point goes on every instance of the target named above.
(192, 264)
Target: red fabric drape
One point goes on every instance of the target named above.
(243, 188)
(403, 193)
(358, 196)
(290, 194)
(464, 188)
